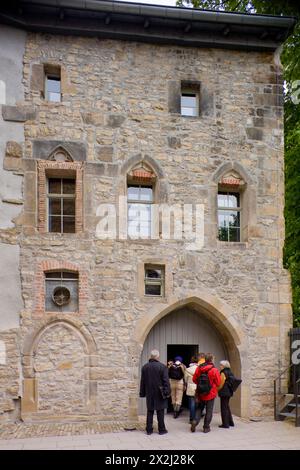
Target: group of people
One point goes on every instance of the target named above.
(201, 381)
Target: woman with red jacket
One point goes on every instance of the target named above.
(206, 400)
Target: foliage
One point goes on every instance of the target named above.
(290, 59)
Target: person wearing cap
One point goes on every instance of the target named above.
(176, 376)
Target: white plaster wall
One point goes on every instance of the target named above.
(11, 91)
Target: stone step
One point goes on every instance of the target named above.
(288, 415)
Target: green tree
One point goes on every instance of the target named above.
(290, 59)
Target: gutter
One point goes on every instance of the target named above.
(175, 13)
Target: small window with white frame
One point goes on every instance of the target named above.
(154, 280)
(190, 94)
(229, 216)
(53, 84)
(140, 200)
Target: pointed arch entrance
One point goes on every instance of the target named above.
(202, 321)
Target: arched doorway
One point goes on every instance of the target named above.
(183, 332)
(217, 332)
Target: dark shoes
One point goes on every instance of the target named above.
(231, 424)
(193, 426)
(149, 433)
(205, 430)
(163, 432)
(224, 427)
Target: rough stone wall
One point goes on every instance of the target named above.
(116, 99)
(59, 366)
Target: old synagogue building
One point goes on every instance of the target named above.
(124, 108)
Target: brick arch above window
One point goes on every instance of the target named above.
(55, 168)
(231, 167)
(59, 265)
(150, 165)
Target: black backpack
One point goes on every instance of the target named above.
(175, 372)
(234, 383)
(203, 385)
(231, 384)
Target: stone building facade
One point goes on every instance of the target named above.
(119, 113)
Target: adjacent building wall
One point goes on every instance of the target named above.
(11, 180)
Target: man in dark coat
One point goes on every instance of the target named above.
(155, 386)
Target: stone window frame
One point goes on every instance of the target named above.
(40, 283)
(168, 280)
(160, 281)
(160, 190)
(37, 80)
(54, 169)
(248, 204)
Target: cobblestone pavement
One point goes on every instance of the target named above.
(245, 435)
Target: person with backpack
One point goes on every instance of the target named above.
(225, 390)
(207, 379)
(191, 387)
(176, 376)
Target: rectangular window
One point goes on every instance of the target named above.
(229, 216)
(140, 200)
(61, 291)
(52, 84)
(190, 99)
(154, 280)
(61, 205)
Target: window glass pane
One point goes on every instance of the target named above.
(53, 84)
(145, 229)
(56, 275)
(222, 217)
(68, 186)
(69, 206)
(55, 224)
(152, 289)
(222, 200)
(69, 224)
(54, 206)
(54, 185)
(234, 234)
(133, 228)
(188, 111)
(223, 234)
(67, 275)
(146, 193)
(54, 97)
(153, 273)
(133, 193)
(234, 199)
(133, 211)
(144, 212)
(188, 101)
(233, 219)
